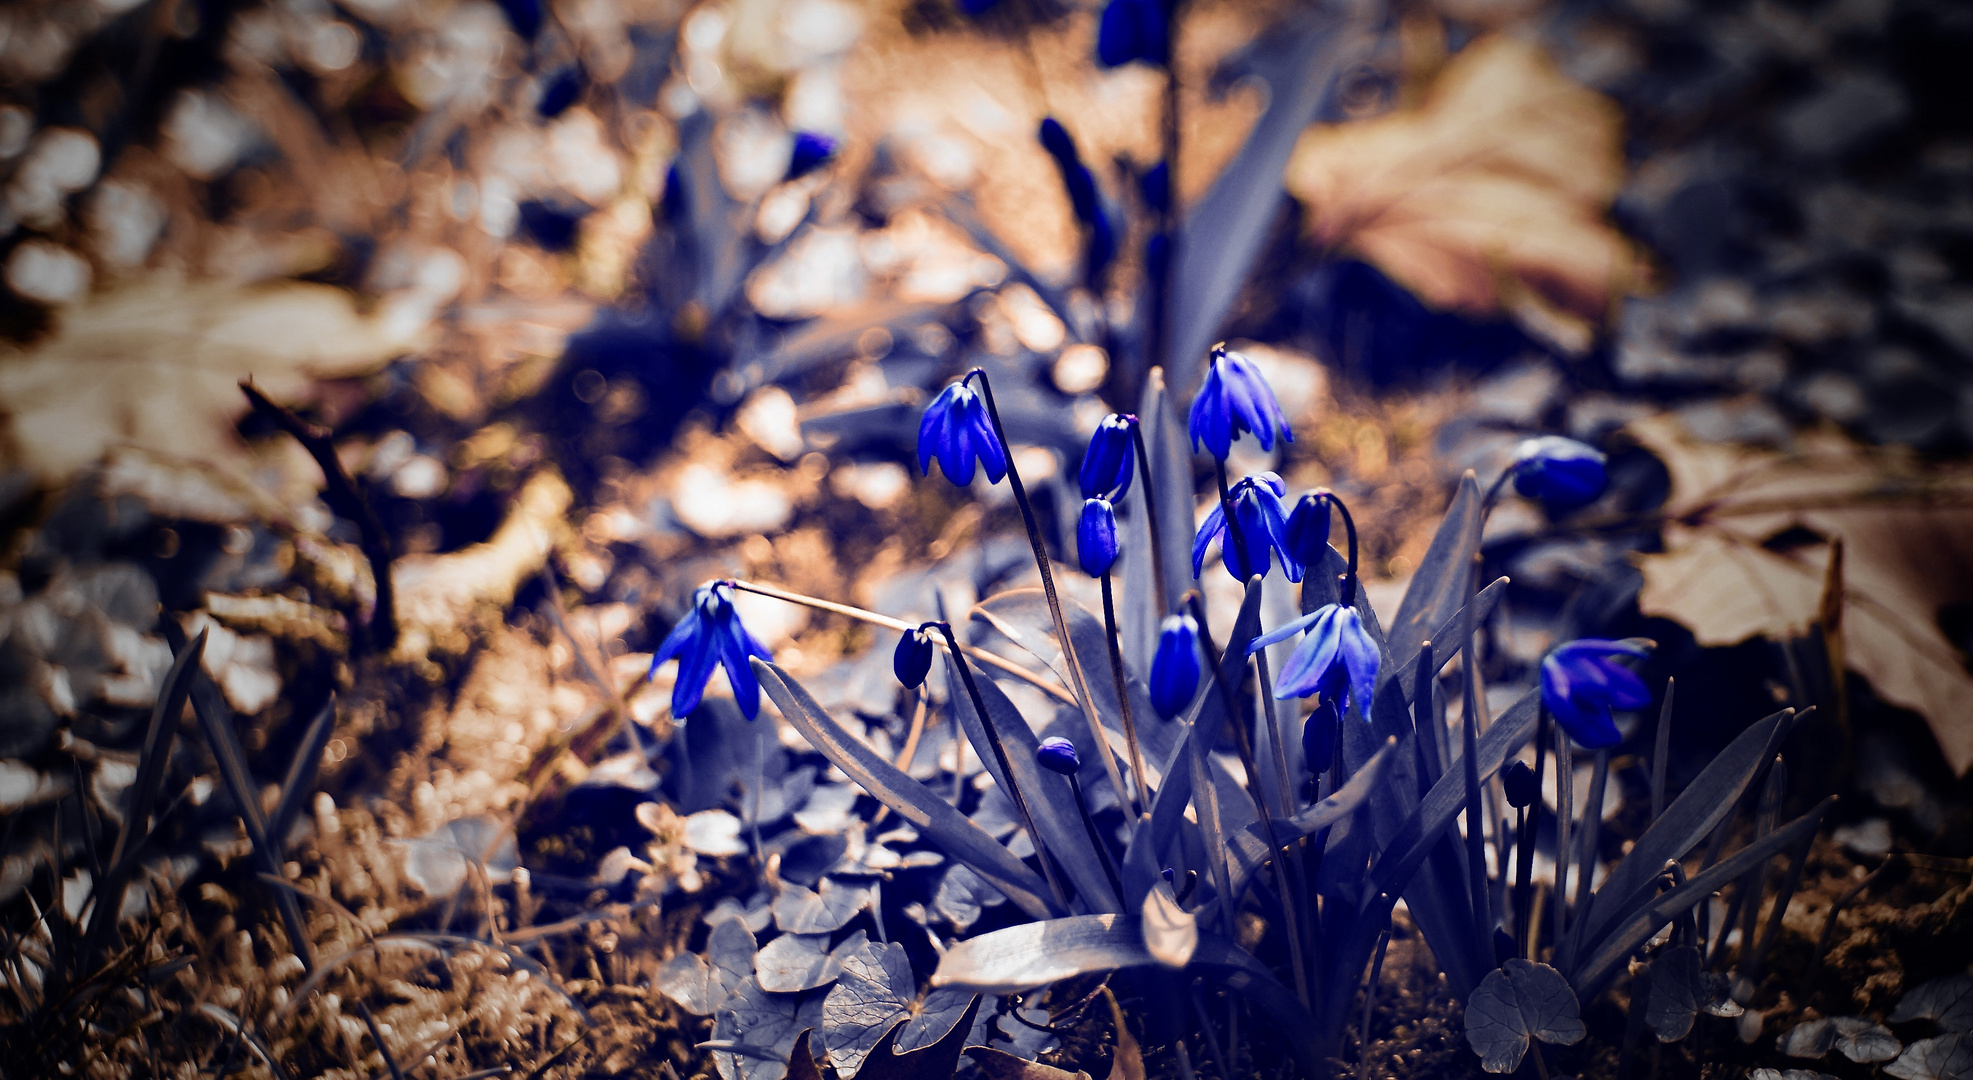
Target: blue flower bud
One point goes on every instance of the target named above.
(1582, 681)
(1057, 755)
(812, 151)
(913, 659)
(1133, 30)
(957, 430)
(1234, 398)
(1517, 780)
(1562, 474)
(1175, 667)
(1308, 532)
(1096, 537)
(1109, 462)
(1319, 738)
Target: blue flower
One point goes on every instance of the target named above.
(1133, 30)
(1582, 681)
(1263, 529)
(812, 151)
(1109, 462)
(1234, 398)
(1308, 532)
(711, 634)
(1337, 655)
(1562, 474)
(1175, 667)
(1518, 782)
(957, 430)
(1057, 755)
(913, 659)
(1096, 537)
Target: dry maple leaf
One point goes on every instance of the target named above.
(1489, 195)
(155, 364)
(1907, 533)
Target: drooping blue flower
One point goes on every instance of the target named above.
(812, 150)
(913, 659)
(1562, 474)
(1133, 30)
(711, 634)
(1263, 530)
(1582, 681)
(1109, 463)
(957, 430)
(1319, 738)
(1096, 537)
(1338, 655)
(1308, 532)
(1057, 755)
(1234, 398)
(1175, 667)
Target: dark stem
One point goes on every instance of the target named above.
(347, 498)
(1229, 700)
(1233, 534)
(1000, 756)
(1659, 751)
(1095, 838)
(1476, 859)
(1163, 592)
(1370, 993)
(1346, 594)
(1142, 795)
(1041, 561)
(1592, 824)
(1494, 490)
(1565, 809)
(1524, 862)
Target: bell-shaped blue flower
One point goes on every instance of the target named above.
(812, 150)
(1337, 655)
(1175, 667)
(1057, 755)
(1319, 738)
(1096, 537)
(711, 634)
(1308, 532)
(1562, 474)
(1262, 525)
(913, 659)
(1234, 398)
(1133, 30)
(1582, 681)
(1109, 462)
(957, 430)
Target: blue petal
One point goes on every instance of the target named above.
(1285, 630)
(735, 646)
(1215, 523)
(681, 635)
(1360, 656)
(929, 430)
(694, 670)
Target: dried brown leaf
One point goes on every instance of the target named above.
(1490, 195)
(1907, 533)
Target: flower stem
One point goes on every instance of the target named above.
(1095, 838)
(1000, 755)
(1524, 862)
(1143, 792)
(979, 655)
(1230, 701)
(1233, 534)
(1163, 592)
(1346, 594)
(1077, 684)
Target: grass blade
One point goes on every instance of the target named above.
(297, 785)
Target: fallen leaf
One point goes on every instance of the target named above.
(1907, 532)
(1490, 195)
(438, 596)
(155, 364)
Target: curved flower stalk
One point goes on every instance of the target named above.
(711, 634)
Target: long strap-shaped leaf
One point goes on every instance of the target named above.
(1689, 819)
(930, 814)
(1438, 589)
(1246, 849)
(1626, 937)
(1050, 799)
(1035, 954)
